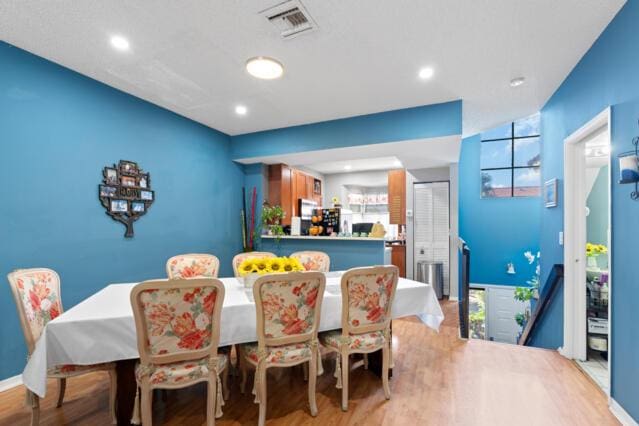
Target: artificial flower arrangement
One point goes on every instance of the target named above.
(252, 267)
(594, 250)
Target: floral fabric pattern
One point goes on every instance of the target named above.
(178, 320)
(177, 373)
(289, 306)
(193, 267)
(366, 341)
(313, 260)
(368, 298)
(73, 369)
(40, 295)
(280, 354)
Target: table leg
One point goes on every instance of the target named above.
(126, 391)
(375, 360)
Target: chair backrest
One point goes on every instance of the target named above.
(288, 307)
(192, 266)
(177, 320)
(37, 295)
(313, 260)
(239, 258)
(367, 298)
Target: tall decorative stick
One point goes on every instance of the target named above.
(243, 222)
(253, 202)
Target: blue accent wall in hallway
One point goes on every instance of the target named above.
(497, 230)
(59, 129)
(606, 76)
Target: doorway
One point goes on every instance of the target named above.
(587, 274)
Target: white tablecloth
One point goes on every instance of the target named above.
(102, 329)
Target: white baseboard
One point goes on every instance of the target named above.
(10, 383)
(453, 298)
(621, 414)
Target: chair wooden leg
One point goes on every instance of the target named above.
(62, 386)
(365, 361)
(312, 383)
(305, 370)
(345, 371)
(211, 402)
(113, 390)
(146, 398)
(385, 365)
(225, 383)
(35, 408)
(262, 393)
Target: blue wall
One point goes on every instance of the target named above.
(497, 230)
(59, 129)
(606, 75)
(344, 254)
(412, 123)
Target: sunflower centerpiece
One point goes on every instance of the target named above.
(252, 267)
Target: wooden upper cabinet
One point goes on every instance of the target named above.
(300, 179)
(310, 182)
(287, 185)
(397, 196)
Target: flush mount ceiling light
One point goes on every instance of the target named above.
(397, 163)
(426, 73)
(120, 42)
(241, 110)
(348, 167)
(516, 82)
(264, 68)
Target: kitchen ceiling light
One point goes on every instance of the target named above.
(348, 167)
(516, 82)
(241, 110)
(264, 68)
(426, 73)
(120, 43)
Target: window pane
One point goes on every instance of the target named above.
(527, 152)
(496, 154)
(527, 182)
(496, 183)
(528, 126)
(500, 132)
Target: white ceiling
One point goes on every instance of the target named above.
(413, 154)
(189, 56)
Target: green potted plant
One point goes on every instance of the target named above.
(272, 217)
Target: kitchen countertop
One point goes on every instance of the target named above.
(323, 237)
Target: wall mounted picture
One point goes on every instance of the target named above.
(127, 181)
(317, 186)
(629, 168)
(129, 167)
(137, 207)
(125, 193)
(111, 176)
(108, 191)
(550, 193)
(146, 195)
(119, 206)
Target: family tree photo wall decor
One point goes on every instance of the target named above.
(126, 193)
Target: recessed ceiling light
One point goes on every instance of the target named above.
(516, 82)
(348, 167)
(241, 110)
(426, 73)
(264, 68)
(120, 42)
(397, 163)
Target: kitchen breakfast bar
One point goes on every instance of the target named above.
(344, 252)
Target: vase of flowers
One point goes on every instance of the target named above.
(593, 251)
(254, 267)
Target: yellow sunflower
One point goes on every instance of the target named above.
(246, 267)
(262, 266)
(276, 265)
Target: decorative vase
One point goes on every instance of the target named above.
(591, 262)
(250, 279)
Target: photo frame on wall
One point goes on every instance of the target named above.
(550, 193)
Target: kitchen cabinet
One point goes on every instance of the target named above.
(398, 258)
(397, 197)
(287, 185)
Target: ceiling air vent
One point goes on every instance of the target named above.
(290, 18)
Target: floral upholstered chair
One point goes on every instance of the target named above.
(313, 260)
(192, 266)
(178, 331)
(288, 314)
(367, 299)
(239, 258)
(37, 296)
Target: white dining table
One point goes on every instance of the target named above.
(102, 329)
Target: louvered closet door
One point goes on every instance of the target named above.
(432, 226)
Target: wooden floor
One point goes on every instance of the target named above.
(438, 380)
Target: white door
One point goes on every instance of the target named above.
(500, 316)
(432, 226)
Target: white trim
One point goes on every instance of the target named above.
(575, 336)
(453, 298)
(10, 383)
(622, 415)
